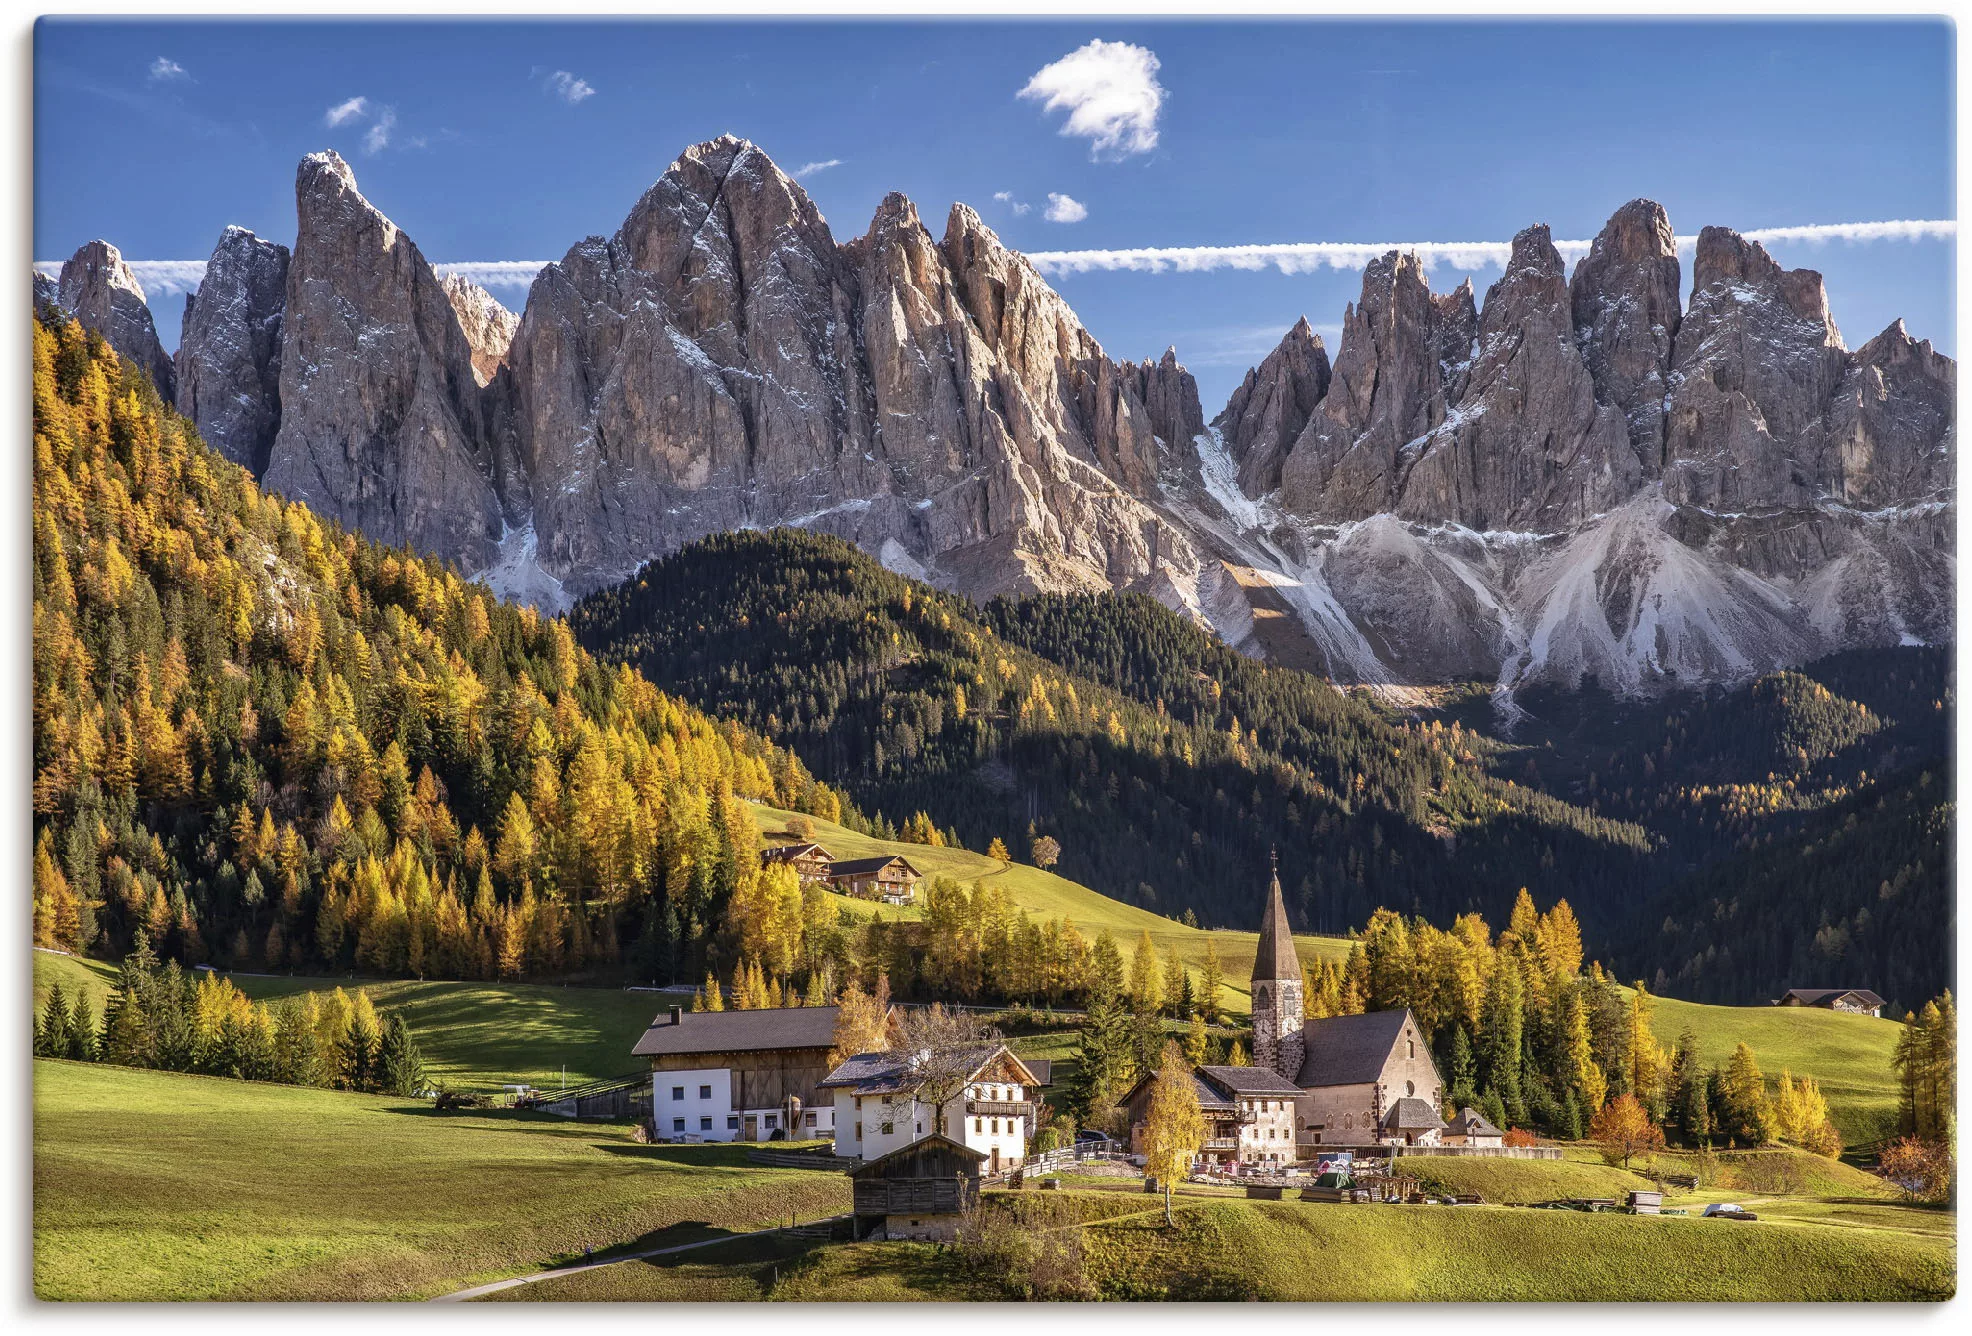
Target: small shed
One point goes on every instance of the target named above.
(1647, 1203)
(919, 1191)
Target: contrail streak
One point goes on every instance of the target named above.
(1301, 257)
(166, 277)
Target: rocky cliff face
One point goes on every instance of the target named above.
(98, 288)
(229, 354)
(1575, 477)
(488, 326)
(1267, 413)
(723, 362)
(382, 424)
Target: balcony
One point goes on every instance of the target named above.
(999, 1108)
(1221, 1143)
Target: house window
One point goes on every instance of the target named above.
(677, 1124)
(811, 1118)
(732, 1123)
(859, 1131)
(705, 1092)
(705, 1124)
(859, 1103)
(770, 1122)
(979, 1124)
(996, 1124)
(920, 1131)
(888, 1128)
(677, 1092)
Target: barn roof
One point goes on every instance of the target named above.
(1250, 1080)
(935, 1142)
(756, 1031)
(1814, 997)
(804, 849)
(1348, 1050)
(850, 867)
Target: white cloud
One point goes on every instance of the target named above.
(1110, 92)
(164, 69)
(377, 138)
(808, 169)
(1301, 257)
(1062, 209)
(569, 88)
(343, 112)
(171, 276)
(1006, 197)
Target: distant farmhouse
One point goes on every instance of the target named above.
(877, 1111)
(1249, 1115)
(740, 1075)
(889, 877)
(1857, 1001)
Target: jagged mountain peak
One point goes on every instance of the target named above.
(99, 289)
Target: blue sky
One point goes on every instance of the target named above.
(514, 140)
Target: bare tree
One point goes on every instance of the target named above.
(941, 1050)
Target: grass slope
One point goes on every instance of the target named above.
(155, 1186)
(1848, 1055)
(475, 1036)
(1044, 895)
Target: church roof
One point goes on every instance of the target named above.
(1472, 1123)
(1348, 1050)
(1276, 959)
(1412, 1115)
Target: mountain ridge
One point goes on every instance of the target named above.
(1574, 478)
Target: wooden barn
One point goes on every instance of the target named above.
(889, 878)
(920, 1191)
(740, 1075)
(810, 861)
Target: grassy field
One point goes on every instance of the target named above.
(1229, 1248)
(1848, 1055)
(475, 1036)
(1044, 895)
(154, 1186)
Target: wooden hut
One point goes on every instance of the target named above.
(919, 1191)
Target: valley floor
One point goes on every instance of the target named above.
(157, 1186)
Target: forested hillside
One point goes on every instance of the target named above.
(266, 742)
(1167, 793)
(1860, 896)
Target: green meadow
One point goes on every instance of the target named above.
(149, 1185)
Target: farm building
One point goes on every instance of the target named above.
(1471, 1128)
(1249, 1114)
(810, 861)
(1857, 1001)
(740, 1075)
(918, 1191)
(877, 1110)
(889, 878)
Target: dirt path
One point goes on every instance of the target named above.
(479, 1291)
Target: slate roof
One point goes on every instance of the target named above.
(1469, 1122)
(1275, 958)
(1348, 1050)
(1411, 1115)
(885, 1073)
(850, 867)
(1250, 1080)
(739, 1031)
(1815, 997)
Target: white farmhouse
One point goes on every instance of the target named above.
(877, 1109)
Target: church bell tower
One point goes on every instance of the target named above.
(1277, 990)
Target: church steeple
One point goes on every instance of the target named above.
(1276, 958)
(1277, 989)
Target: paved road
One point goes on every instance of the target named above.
(477, 1291)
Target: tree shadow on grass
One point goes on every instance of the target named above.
(669, 1236)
